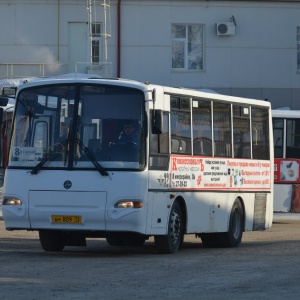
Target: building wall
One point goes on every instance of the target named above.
(259, 61)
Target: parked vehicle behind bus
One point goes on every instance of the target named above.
(286, 129)
(7, 94)
(201, 163)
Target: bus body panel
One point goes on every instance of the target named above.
(206, 211)
(196, 181)
(93, 195)
(158, 211)
(52, 208)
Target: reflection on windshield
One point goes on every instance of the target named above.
(105, 121)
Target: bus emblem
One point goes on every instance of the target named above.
(67, 184)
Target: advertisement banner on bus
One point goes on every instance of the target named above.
(200, 173)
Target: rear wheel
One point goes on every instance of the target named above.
(52, 240)
(233, 237)
(171, 242)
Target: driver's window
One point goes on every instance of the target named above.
(159, 147)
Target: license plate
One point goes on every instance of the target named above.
(67, 219)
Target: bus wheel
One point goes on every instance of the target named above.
(233, 237)
(52, 240)
(171, 242)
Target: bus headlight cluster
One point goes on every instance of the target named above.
(129, 204)
(13, 201)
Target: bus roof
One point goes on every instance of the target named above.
(145, 87)
(285, 113)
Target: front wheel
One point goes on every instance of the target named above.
(171, 242)
(52, 240)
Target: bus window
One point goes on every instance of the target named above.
(222, 132)
(180, 125)
(159, 146)
(40, 136)
(241, 131)
(278, 130)
(293, 138)
(202, 129)
(260, 133)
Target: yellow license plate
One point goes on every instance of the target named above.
(67, 219)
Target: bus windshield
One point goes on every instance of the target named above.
(79, 126)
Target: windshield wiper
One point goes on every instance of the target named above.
(92, 158)
(52, 155)
(58, 149)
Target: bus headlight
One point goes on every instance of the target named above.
(129, 204)
(13, 201)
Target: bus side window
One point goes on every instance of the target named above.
(293, 139)
(180, 125)
(278, 131)
(260, 125)
(241, 131)
(159, 147)
(202, 127)
(202, 143)
(222, 136)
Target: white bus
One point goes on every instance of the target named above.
(199, 163)
(286, 130)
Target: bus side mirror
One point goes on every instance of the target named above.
(3, 101)
(157, 121)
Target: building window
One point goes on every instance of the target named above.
(298, 48)
(96, 36)
(187, 47)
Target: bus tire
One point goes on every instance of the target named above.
(52, 240)
(233, 237)
(171, 242)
